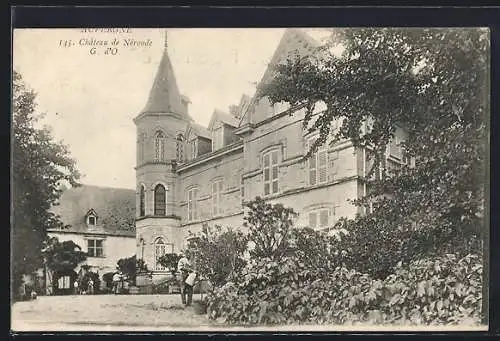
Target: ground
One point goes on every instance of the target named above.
(147, 313)
(106, 313)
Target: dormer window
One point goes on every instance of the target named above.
(91, 218)
(217, 138)
(180, 148)
(193, 148)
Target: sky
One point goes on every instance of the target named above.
(91, 99)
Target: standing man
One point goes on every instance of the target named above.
(91, 286)
(184, 267)
(116, 282)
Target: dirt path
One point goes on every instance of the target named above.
(105, 312)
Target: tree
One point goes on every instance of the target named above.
(432, 82)
(40, 167)
(170, 261)
(217, 253)
(269, 228)
(61, 257)
(130, 267)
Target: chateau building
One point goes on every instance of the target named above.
(100, 220)
(188, 175)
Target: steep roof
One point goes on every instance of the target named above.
(115, 208)
(224, 117)
(164, 96)
(293, 43)
(199, 130)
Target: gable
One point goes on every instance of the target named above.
(91, 212)
(293, 44)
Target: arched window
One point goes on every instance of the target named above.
(160, 146)
(142, 204)
(160, 250)
(180, 148)
(160, 200)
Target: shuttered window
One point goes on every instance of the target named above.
(192, 205)
(217, 138)
(313, 220)
(317, 164)
(319, 219)
(193, 149)
(216, 197)
(270, 172)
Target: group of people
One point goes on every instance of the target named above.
(187, 280)
(89, 289)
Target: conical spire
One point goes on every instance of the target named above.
(164, 96)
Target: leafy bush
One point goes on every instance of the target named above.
(130, 267)
(269, 228)
(444, 289)
(170, 260)
(373, 245)
(438, 290)
(217, 254)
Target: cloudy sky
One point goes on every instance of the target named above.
(90, 100)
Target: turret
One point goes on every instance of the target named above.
(160, 145)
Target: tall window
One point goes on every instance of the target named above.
(380, 169)
(319, 219)
(180, 148)
(142, 202)
(193, 148)
(217, 139)
(95, 248)
(160, 200)
(395, 148)
(160, 146)
(242, 190)
(318, 165)
(192, 205)
(64, 282)
(160, 250)
(216, 200)
(270, 169)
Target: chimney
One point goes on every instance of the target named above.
(233, 110)
(185, 102)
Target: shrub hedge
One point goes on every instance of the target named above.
(442, 289)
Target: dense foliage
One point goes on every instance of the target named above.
(217, 253)
(130, 267)
(170, 261)
(269, 226)
(433, 83)
(315, 280)
(40, 166)
(62, 256)
(441, 290)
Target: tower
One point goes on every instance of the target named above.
(160, 145)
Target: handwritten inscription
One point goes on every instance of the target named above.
(103, 44)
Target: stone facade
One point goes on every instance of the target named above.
(256, 150)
